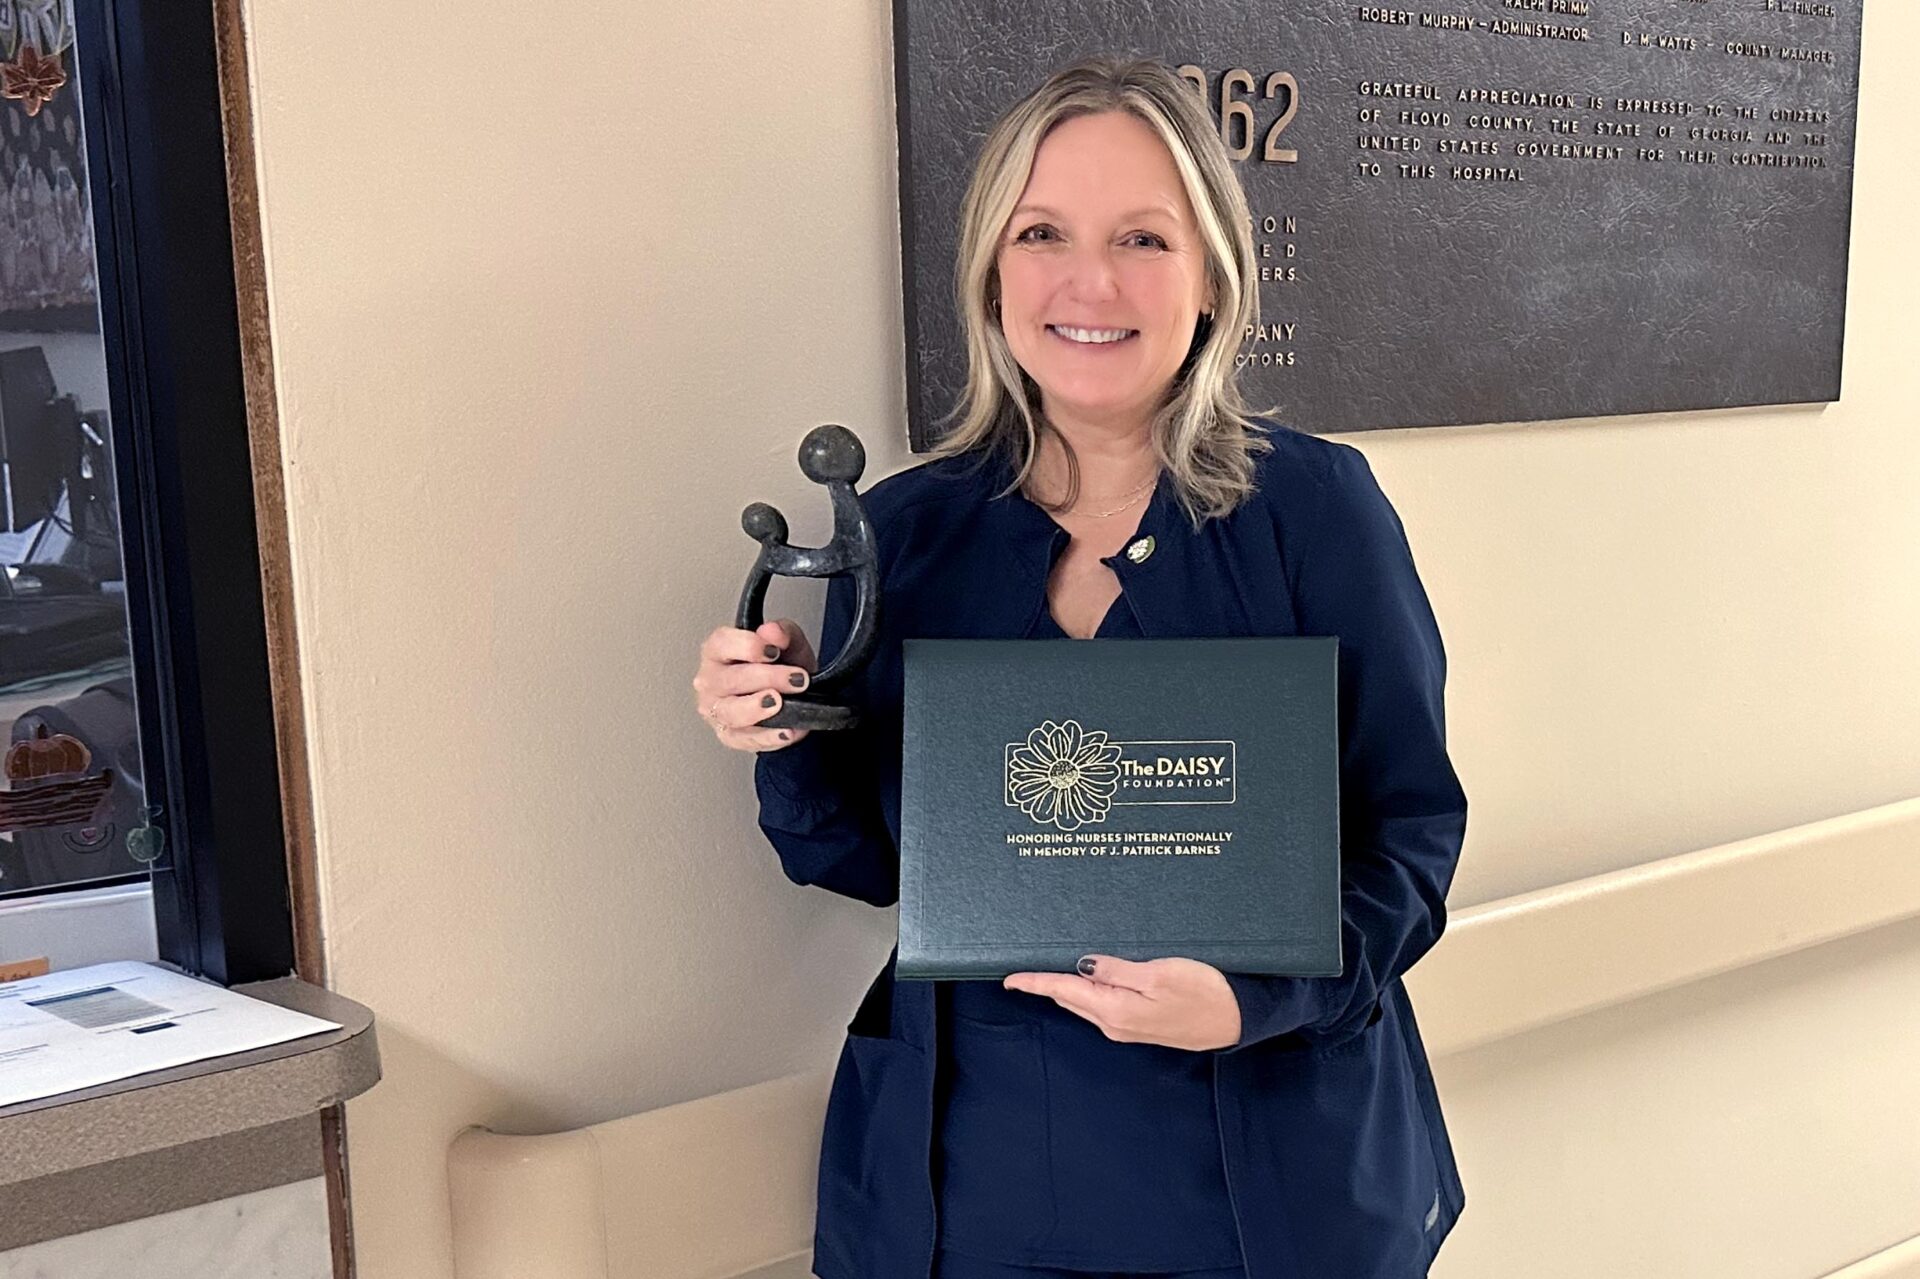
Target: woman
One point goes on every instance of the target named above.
(1104, 479)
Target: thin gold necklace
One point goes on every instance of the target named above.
(1101, 515)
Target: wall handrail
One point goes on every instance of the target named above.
(1514, 965)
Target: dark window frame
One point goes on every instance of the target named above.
(149, 77)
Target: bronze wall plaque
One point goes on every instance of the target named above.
(1480, 211)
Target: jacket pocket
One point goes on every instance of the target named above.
(868, 1151)
(1334, 1150)
(994, 1141)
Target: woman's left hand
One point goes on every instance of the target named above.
(1181, 1003)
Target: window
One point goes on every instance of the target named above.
(73, 810)
(134, 659)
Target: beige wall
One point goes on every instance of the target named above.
(555, 294)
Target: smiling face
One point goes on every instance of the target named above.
(1102, 271)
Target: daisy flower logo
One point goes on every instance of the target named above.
(1063, 775)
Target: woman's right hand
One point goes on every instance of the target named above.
(743, 677)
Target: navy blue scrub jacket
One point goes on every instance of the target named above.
(1337, 1159)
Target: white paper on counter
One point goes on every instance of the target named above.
(93, 1025)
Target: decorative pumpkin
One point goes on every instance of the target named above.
(52, 805)
(47, 756)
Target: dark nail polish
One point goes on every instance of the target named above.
(797, 679)
(785, 736)
(1086, 967)
(767, 700)
(772, 652)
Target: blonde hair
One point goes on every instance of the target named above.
(1204, 435)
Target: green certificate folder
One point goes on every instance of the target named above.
(1140, 798)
